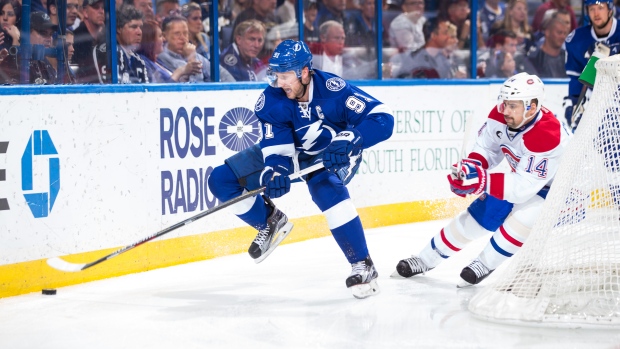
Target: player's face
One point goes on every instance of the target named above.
(290, 84)
(513, 113)
(250, 44)
(131, 33)
(599, 15)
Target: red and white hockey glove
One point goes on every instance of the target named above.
(470, 178)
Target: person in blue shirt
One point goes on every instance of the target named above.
(308, 116)
(581, 43)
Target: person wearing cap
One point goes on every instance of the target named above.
(240, 57)
(41, 71)
(85, 39)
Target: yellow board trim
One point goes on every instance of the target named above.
(33, 276)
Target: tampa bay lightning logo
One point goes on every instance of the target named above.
(40, 145)
(260, 103)
(230, 59)
(239, 129)
(335, 84)
(570, 36)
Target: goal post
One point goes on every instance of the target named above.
(567, 274)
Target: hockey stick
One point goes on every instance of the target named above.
(62, 265)
(577, 107)
(466, 138)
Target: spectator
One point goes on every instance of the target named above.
(505, 66)
(68, 51)
(549, 5)
(361, 28)
(131, 68)
(85, 36)
(457, 12)
(72, 11)
(406, 29)
(550, 58)
(41, 70)
(151, 46)
(311, 31)
(197, 36)
(145, 6)
(491, 12)
(428, 62)
(515, 20)
(279, 33)
(178, 51)
(391, 10)
(10, 11)
(562, 15)
(457, 63)
(332, 10)
(240, 58)
(261, 10)
(501, 43)
(286, 12)
(333, 59)
(166, 8)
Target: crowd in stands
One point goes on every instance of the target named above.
(162, 41)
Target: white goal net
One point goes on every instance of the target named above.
(567, 274)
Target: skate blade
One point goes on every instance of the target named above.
(282, 234)
(362, 291)
(396, 275)
(464, 284)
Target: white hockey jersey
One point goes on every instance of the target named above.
(533, 153)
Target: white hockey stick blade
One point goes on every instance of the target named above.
(62, 265)
(362, 291)
(283, 233)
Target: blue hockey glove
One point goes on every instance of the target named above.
(345, 146)
(470, 178)
(277, 184)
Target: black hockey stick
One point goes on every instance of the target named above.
(62, 265)
(577, 107)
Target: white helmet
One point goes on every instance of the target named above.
(522, 87)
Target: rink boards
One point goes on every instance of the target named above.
(86, 170)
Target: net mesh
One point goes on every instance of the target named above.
(568, 271)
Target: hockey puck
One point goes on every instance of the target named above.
(49, 291)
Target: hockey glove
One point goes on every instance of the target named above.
(339, 153)
(470, 178)
(275, 179)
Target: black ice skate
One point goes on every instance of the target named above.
(474, 273)
(409, 267)
(278, 227)
(363, 279)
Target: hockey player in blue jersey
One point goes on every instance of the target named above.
(581, 43)
(308, 116)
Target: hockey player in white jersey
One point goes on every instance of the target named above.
(308, 116)
(526, 134)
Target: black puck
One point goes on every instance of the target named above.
(49, 291)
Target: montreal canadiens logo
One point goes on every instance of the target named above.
(335, 84)
(260, 103)
(239, 129)
(230, 59)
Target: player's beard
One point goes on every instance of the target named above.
(602, 26)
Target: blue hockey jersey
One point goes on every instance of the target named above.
(579, 47)
(306, 128)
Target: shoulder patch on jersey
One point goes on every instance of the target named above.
(335, 84)
(230, 59)
(570, 36)
(497, 116)
(545, 135)
(260, 103)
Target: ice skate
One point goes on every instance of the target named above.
(410, 266)
(363, 279)
(474, 273)
(278, 227)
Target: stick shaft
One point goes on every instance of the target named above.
(198, 216)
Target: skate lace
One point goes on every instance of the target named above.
(416, 264)
(262, 236)
(359, 268)
(479, 268)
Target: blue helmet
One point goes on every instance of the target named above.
(290, 55)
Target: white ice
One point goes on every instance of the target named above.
(296, 298)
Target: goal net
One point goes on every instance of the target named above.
(567, 274)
